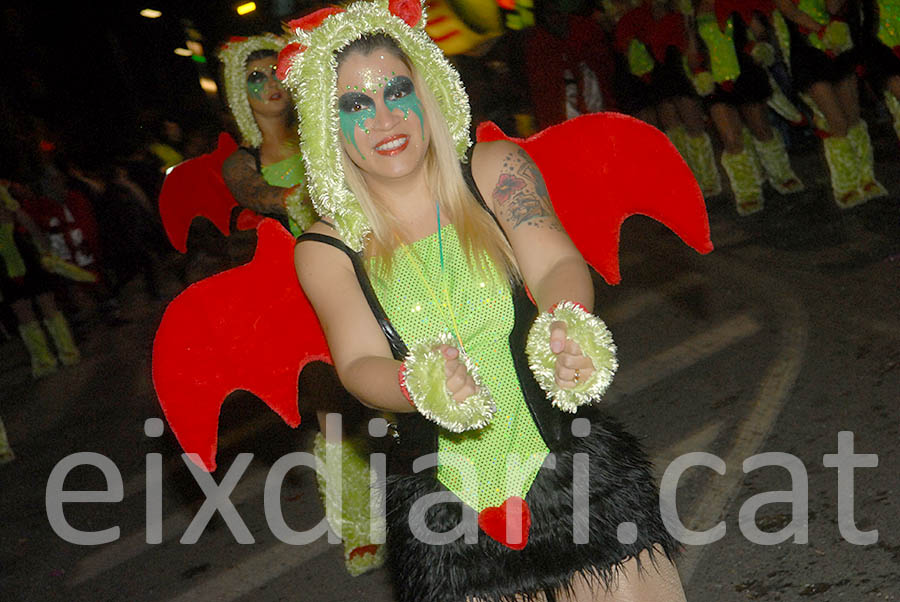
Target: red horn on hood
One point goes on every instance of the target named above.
(408, 10)
(284, 59)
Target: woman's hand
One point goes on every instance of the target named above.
(460, 383)
(572, 366)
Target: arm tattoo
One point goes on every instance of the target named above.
(520, 195)
(248, 186)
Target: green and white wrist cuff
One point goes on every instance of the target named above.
(596, 343)
(423, 377)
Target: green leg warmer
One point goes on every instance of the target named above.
(6, 452)
(870, 188)
(776, 165)
(701, 159)
(893, 105)
(58, 327)
(746, 181)
(843, 164)
(10, 258)
(43, 362)
(348, 502)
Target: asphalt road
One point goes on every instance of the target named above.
(783, 338)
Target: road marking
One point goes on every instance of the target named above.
(631, 307)
(753, 430)
(649, 371)
(253, 573)
(109, 556)
(699, 440)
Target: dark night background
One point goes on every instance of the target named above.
(93, 73)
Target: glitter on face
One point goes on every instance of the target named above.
(400, 93)
(258, 79)
(355, 108)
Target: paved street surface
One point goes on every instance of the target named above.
(785, 336)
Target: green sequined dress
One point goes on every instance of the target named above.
(482, 312)
(473, 472)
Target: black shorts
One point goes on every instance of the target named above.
(809, 65)
(881, 63)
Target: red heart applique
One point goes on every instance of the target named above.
(493, 521)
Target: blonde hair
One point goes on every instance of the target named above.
(480, 236)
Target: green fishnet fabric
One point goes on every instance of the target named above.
(474, 463)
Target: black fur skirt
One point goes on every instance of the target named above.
(621, 490)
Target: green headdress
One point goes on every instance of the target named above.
(234, 56)
(308, 67)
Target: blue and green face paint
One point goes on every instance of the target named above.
(257, 80)
(355, 107)
(400, 93)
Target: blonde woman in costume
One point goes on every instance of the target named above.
(412, 251)
(266, 174)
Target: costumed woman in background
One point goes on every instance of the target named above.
(881, 39)
(737, 100)
(266, 175)
(441, 259)
(652, 41)
(266, 172)
(823, 69)
(26, 280)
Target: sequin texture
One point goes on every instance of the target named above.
(474, 465)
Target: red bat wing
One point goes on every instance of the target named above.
(601, 168)
(196, 188)
(668, 32)
(636, 23)
(248, 328)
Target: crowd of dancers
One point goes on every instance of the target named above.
(741, 65)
